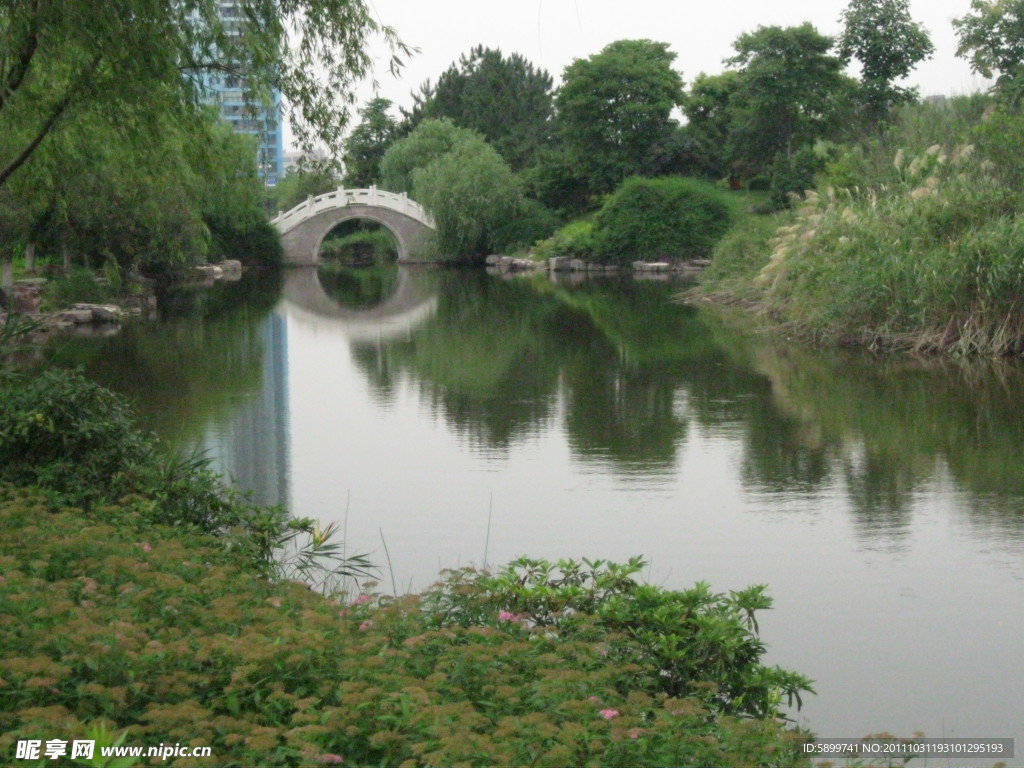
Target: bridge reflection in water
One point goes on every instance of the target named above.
(411, 303)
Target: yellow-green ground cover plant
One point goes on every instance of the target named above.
(111, 623)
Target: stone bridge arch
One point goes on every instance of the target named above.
(305, 226)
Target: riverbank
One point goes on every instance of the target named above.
(922, 250)
(87, 303)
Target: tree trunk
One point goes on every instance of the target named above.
(7, 282)
(30, 257)
(66, 254)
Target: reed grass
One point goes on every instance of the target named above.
(927, 254)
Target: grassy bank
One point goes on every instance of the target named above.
(914, 240)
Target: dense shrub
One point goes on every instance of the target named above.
(575, 240)
(793, 175)
(80, 285)
(78, 443)
(652, 219)
(689, 643)
(149, 633)
(63, 432)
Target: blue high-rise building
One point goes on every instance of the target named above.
(227, 92)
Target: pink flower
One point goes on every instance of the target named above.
(366, 625)
(634, 733)
(609, 714)
(594, 700)
(506, 616)
(146, 547)
(330, 759)
(362, 599)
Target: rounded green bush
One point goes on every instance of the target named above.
(670, 218)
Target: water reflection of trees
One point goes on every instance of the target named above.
(188, 370)
(892, 426)
(500, 356)
(629, 374)
(484, 361)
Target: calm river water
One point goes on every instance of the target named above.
(462, 418)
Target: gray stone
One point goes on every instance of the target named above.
(209, 270)
(76, 316)
(577, 265)
(650, 266)
(559, 263)
(106, 314)
(31, 282)
(492, 260)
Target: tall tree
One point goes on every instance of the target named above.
(888, 44)
(366, 145)
(430, 140)
(709, 114)
(790, 93)
(505, 99)
(992, 39)
(614, 110)
(147, 56)
(462, 180)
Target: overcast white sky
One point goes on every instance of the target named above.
(551, 33)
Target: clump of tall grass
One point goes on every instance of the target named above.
(932, 257)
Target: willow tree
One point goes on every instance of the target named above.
(148, 57)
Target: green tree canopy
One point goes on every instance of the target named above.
(791, 92)
(366, 145)
(614, 110)
(992, 39)
(888, 44)
(468, 188)
(505, 99)
(150, 56)
(430, 140)
(709, 114)
(654, 219)
(312, 177)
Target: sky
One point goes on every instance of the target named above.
(552, 33)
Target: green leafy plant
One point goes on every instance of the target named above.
(151, 631)
(653, 219)
(692, 643)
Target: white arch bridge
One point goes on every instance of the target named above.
(305, 226)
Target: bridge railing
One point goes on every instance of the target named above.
(341, 198)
